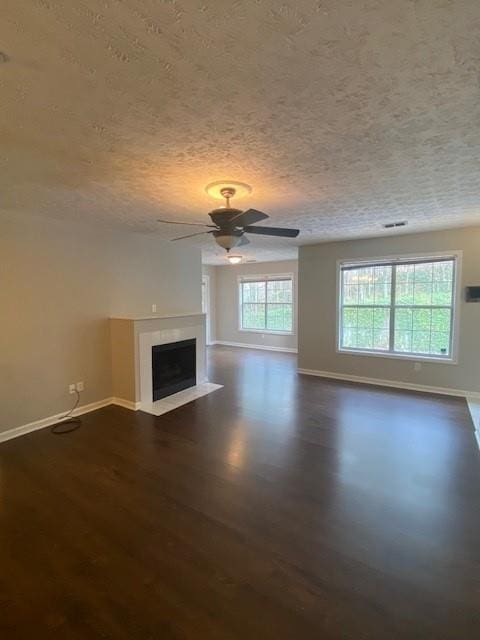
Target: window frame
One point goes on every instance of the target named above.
(265, 278)
(452, 358)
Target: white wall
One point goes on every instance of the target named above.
(227, 310)
(59, 284)
(318, 307)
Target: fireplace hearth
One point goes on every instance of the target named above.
(173, 368)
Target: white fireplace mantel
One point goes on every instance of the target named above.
(132, 339)
(157, 317)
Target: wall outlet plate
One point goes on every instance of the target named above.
(80, 386)
(417, 366)
(154, 308)
(71, 388)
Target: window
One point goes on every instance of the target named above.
(266, 304)
(402, 307)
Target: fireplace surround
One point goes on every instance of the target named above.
(132, 339)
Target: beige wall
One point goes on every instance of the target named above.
(227, 326)
(317, 310)
(59, 284)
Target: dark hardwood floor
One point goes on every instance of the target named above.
(279, 507)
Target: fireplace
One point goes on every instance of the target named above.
(173, 367)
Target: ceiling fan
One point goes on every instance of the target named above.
(230, 225)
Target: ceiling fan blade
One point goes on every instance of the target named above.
(243, 240)
(248, 217)
(273, 231)
(190, 224)
(190, 235)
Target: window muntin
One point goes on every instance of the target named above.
(398, 307)
(266, 304)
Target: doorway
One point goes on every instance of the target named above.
(206, 307)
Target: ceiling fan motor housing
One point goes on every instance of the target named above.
(228, 236)
(222, 216)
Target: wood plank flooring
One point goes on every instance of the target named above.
(279, 507)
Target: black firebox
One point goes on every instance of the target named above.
(173, 368)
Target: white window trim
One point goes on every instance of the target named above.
(453, 359)
(258, 278)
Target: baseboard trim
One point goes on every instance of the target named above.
(472, 397)
(126, 404)
(474, 406)
(51, 420)
(263, 347)
(391, 383)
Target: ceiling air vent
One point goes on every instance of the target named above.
(392, 225)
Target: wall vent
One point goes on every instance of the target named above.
(392, 225)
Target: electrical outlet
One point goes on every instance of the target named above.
(417, 366)
(71, 388)
(154, 308)
(80, 386)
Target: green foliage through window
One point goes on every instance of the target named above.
(267, 304)
(399, 307)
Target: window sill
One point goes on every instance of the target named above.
(268, 332)
(397, 356)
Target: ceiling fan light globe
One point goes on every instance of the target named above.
(234, 259)
(227, 241)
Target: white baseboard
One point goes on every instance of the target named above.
(392, 383)
(474, 406)
(51, 420)
(473, 398)
(264, 347)
(126, 404)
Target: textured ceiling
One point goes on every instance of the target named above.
(342, 114)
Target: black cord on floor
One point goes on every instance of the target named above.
(68, 422)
